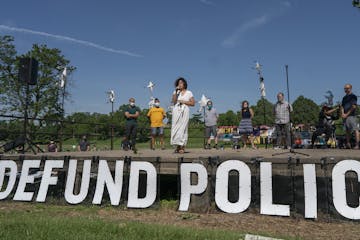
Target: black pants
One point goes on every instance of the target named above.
(283, 132)
(130, 133)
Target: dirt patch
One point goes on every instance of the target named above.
(245, 222)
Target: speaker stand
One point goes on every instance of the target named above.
(31, 145)
(28, 144)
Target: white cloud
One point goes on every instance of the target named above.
(207, 2)
(70, 39)
(232, 40)
(286, 3)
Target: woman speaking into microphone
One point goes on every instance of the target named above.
(182, 99)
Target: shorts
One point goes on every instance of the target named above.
(157, 131)
(210, 130)
(351, 124)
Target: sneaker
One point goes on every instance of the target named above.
(277, 148)
(356, 148)
(208, 146)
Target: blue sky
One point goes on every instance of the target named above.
(122, 45)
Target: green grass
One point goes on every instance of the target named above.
(57, 222)
(105, 144)
(195, 140)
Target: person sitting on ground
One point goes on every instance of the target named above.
(84, 145)
(93, 147)
(52, 147)
(325, 125)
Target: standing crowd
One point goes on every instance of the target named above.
(183, 99)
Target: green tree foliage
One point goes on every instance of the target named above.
(263, 106)
(94, 125)
(306, 111)
(228, 119)
(45, 102)
(7, 69)
(45, 98)
(196, 120)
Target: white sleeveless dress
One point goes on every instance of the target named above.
(180, 120)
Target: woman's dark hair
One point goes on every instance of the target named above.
(181, 79)
(242, 104)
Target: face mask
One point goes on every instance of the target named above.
(132, 104)
(209, 107)
(157, 104)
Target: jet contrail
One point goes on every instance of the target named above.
(82, 42)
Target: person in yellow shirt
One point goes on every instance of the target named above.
(156, 115)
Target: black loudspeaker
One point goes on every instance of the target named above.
(28, 70)
(19, 141)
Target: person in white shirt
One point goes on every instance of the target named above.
(282, 110)
(210, 118)
(182, 99)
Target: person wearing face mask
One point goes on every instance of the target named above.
(211, 118)
(282, 110)
(182, 100)
(156, 115)
(132, 112)
(84, 145)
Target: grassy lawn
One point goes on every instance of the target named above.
(195, 140)
(58, 220)
(40, 221)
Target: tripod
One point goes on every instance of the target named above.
(291, 150)
(28, 143)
